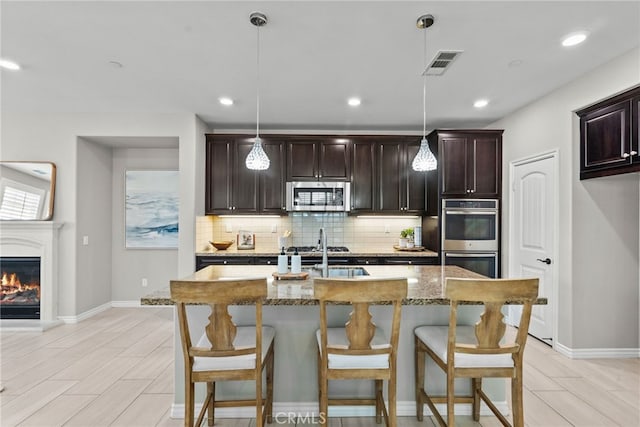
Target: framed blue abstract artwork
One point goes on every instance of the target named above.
(151, 209)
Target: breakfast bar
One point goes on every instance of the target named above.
(292, 310)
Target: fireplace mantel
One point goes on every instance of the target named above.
(40, 239)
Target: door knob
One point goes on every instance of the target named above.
(546, 260)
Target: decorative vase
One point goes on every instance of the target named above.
(402, 242)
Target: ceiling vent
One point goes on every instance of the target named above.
(441, 62)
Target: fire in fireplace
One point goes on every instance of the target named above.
(20, 288)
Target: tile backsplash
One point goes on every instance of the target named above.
(342, 230)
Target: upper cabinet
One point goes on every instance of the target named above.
(469, 162)
(609, 136)
(382, 178)
(318, 158)
(231, 187)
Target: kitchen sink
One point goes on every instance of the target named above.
(341, 272)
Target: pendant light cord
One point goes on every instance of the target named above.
(424, 88)
(258, 84)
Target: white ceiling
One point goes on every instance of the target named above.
(180, 56)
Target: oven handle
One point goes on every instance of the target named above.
(488, 212)
(474, 255)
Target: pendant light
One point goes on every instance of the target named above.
(257, 159)
(424, 160)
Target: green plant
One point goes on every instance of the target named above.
(407, 233)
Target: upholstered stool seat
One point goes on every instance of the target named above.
(337, 338)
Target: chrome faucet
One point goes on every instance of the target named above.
(322, 244)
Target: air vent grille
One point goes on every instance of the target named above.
(441, 62)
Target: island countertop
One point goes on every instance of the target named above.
(425, 283)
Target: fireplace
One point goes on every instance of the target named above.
(20, 288)
(29, 241)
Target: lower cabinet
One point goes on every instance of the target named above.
(308, 261)
(203, 261)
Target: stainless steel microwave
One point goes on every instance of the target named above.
(319, 196)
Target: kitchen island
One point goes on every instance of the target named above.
(292, 310)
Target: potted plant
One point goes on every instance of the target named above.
(406, 238)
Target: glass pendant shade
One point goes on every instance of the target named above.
(257, 159)
(424, 160)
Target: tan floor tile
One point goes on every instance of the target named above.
(58, 411)
(17, 410)
(601, 400)
(109, 405)
(537, 413)
(575, 410)
(146, 410)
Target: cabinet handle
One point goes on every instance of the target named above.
(625, 155)
(224, 262)
(633, 153)
(269, 262)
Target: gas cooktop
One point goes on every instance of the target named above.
(315, 249)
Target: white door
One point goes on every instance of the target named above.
(534, 204)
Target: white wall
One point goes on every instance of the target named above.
(54, 137)
(158, 266)
(93, 265)
(590, 292)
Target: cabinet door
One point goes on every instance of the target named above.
(245, 181)
(302, 161)
(363, 176)
(272, 181)
(416, 191)
(486, 162)
(218, 176)
(605, 139)
(334, 161)
(391, 180)
(454, 168)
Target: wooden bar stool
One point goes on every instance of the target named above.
(224, 351)
(476, 351)
(359, 350)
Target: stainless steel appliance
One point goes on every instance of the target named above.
(470, 225)
(321, 196)
(485, 263)
(470, 234)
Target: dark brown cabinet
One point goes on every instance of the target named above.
(231, 188)
(609, 136)
(382, 178)
(318, 158)
(469, 162)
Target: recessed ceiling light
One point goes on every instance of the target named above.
(481, 103)
(574, 39)
(226, 101)
(9, 65)
(354, 102)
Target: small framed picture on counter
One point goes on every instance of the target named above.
(246, 240)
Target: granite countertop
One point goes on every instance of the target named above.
(353, 252)
(425, 283)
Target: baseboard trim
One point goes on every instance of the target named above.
(309, 410)
(87, 314)
(128, 304)
(597, 353)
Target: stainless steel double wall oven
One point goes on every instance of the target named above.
(470, 234)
